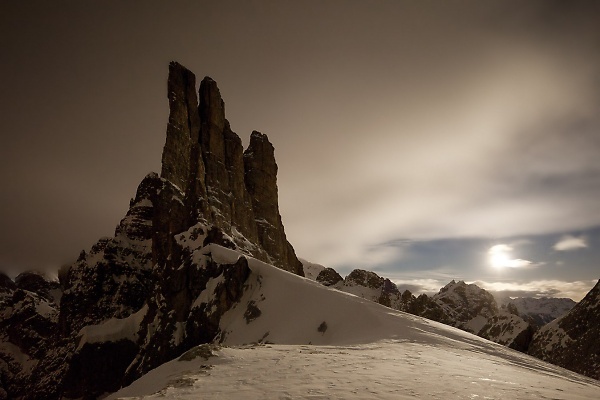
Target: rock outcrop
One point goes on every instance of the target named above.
(329, 277)
(153, 290)
(573, 340)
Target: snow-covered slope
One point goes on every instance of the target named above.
(290, 337)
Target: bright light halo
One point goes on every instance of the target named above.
(500, 257)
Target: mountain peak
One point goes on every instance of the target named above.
(153, 290)
(222, 184)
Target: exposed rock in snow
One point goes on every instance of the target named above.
(329, 277)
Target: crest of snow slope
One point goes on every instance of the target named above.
(322, 343)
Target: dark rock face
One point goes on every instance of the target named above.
(329, 277)
(360, 277)
(182, 129)
(221, 184)
(380, 290)
(261, 182)
(155, 289)
(573, 341)
(423, 306)
(38, 283)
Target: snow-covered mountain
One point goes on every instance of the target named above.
(573, 340)
(474, 309)
(289, 337)
(540, 311)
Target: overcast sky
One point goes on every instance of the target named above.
(426, 140)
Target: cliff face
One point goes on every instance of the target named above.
(153, 290)
(261, 182)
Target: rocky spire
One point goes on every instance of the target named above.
(261, 182)
(222, 152)
(183, 127)
(222, 185)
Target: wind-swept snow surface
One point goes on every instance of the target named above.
(380, 370)
(290, 337)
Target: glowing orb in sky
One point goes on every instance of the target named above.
(500, 257)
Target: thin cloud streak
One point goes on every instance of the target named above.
(541, 288)
(569, 242)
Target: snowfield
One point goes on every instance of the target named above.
(380, 370)
(292, 338)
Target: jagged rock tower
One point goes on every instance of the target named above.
(154, 290)
(223, 185)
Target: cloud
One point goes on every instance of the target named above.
(418, 286)
(570, 242)
(575, 290)
(488, 165)
(499, 257)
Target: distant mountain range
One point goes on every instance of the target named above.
(539, 311)
(201, 260)
(567, 338)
